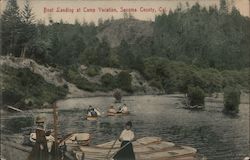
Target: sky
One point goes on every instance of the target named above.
(92, 10)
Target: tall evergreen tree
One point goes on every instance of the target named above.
(223, 7)
(28, 28)
(11, 23)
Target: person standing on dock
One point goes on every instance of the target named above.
(40, 149)
(127, 136)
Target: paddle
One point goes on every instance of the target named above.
(112, 146)
(119, 150)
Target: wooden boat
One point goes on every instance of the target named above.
(91, 118)
(76, 139)
(147, 148)
(116, 114)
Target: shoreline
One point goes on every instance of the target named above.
(245, 99)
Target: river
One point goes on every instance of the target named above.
(214, 134)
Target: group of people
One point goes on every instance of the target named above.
(122, 109)
(93, 112)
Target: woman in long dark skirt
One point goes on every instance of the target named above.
(126, 137)
(40, 150)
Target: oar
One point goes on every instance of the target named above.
(120, 149)
(102, 113)
(112, 146)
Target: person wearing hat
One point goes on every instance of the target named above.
(40, 149)
(127, 136)
(112, 109)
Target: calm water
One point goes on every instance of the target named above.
(217, 136)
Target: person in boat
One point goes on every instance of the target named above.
(40, 149)
(127, 136)
(123, 109)
(89, 109)
(112, 109)
(91, 112)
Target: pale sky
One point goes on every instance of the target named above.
(88, 10)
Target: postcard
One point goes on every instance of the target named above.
(125, 79)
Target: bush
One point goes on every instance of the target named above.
(16, 124)
(108, 80)
(155, 83)
(93, 71)
(196, 96)
(118, 96)
(124, 80)
(231, 99)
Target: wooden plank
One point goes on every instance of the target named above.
(182, 151)
(14, 109)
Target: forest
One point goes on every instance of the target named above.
(190, 46)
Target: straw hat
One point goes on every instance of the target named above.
(40, 119)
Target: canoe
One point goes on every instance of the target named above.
(147, 148)
(117, 114)
(91, 118)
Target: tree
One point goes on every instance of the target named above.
(124, 80)
(28, 16)
(196, 96)
(11, 25)
(126, 56)
(223, 7)
(231, 100)
(28, 28)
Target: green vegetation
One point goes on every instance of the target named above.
(196, 96)
(231, 100)
(22, 88)
(124, 81)
(109, 81)
(16, 124)
(93, 71)
(72, 75)
(177, 76)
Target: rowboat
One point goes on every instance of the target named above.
(116, 114)
(76, 139)
(146, 148)
(91, 118)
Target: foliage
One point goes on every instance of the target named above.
(109, 81)
(93, 71)
(16, 124)
(204, 37)
(177, 77)
(124, 80)
(117, 95)
(11, 27)
(195, 96)
(27, 89)
(231, 99)
(72, 75)
(18, 29)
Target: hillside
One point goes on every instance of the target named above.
(34, 84)
(130, 30)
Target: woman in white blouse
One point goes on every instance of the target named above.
(126, 137)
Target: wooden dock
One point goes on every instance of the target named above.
(147, 148)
